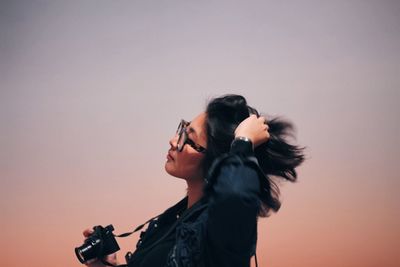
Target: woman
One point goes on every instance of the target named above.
(226, 155)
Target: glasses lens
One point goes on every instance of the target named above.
(180, 126)
(182, 139)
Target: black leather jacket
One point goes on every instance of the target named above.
(220, 229)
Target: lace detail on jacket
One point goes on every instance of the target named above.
(188, 249)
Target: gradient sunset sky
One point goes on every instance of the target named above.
(92, 91)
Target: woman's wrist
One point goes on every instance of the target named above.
(242, 145)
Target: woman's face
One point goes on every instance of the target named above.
(187, 164)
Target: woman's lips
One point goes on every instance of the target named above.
(169, 156)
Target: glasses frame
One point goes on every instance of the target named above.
(182, 133)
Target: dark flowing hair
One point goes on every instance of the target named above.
(277, 158)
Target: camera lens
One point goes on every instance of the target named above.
(79, 255)
(89, 250)
(99, 244)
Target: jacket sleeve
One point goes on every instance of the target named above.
(234, 189)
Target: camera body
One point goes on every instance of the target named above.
(98, 245)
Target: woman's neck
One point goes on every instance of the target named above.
(194, 191)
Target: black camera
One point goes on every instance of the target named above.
(98, 245)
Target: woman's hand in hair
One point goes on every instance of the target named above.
(255, 128)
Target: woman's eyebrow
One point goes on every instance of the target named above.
(192, 130)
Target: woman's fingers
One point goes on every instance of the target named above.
(255, 128)
(263, 134)
(87, 232)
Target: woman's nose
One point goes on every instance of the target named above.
(173, 142)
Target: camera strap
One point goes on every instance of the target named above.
(196, 208)
(128, 234)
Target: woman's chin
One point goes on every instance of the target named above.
(169, 168)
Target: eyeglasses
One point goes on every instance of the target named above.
(184, 139)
